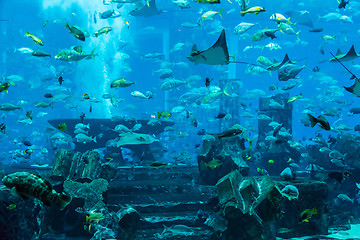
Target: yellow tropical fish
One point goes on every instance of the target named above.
(165, 114)
(34, 38)
(306, 215)
(94, 216)
(256, 10)
(11, 206)
(61, 127)
(294, 98)
(213, 163)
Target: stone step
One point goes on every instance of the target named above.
(156, 234)
(160, 186)
(162, 173)
(157, 198)
(151, 222)
(171, 207)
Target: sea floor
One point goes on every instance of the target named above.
(352, 234)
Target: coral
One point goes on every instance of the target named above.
(91, 192)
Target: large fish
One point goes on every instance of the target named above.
(70, 55)
(289, 71)
(32, 185)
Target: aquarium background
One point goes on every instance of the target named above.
(123, 53)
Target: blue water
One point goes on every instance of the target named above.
(94, 76)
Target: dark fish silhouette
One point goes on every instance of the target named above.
(27, 143)
(270, 34)
(220, 115)
(324, 124)
(316, 30)
(48, 95)
(217, 54)
(343, 4)
(207, 82)
(60, 80)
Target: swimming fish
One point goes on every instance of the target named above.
(324, 124)
(214, 163)
(34, 38)
(256, 10)
(76, 32)
(121, 82)
(306, 215)
(294, 98)
(32, 185)
(102, 30)
(61, 127)
(165, 114)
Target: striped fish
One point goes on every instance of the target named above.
(32, 185)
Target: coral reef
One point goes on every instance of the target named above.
(92, 192)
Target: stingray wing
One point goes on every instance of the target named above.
(276, 65)
(354, 89)
(350, 55)
(217, 54)
(146, 11)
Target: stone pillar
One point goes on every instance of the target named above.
(312, 194)
(268, 107)
(276, 109)
(230, 105)
(214, 164)
(250, 206)
(73, 165)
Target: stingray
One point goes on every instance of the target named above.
(276, 65)
(135, 139)
(146, 10)
(354, 89)
(217, 54)
(350, 55)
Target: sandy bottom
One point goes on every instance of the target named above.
(352, 234)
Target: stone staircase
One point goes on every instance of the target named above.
(164, 196)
